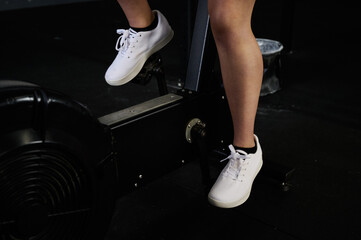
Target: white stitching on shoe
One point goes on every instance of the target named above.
(236, 163)
(125, 40)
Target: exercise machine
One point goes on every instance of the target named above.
(61, 169)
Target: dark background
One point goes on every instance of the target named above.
(312, 123)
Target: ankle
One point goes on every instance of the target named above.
(148, 27)
(247, 145)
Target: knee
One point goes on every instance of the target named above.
(226, 29)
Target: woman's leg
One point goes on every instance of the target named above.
(138, 12)
(150, 31)
(241, 63)
(242, 70)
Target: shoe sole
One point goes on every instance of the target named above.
(138, 67)
(238, 202)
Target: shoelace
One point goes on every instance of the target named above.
(125, 39)
(236, 161)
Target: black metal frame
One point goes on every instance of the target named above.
(20, 4)
(163, 120)
(198, 47)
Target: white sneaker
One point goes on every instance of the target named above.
(134, 48)
(234, 184)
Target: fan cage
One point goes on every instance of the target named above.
(45, 193)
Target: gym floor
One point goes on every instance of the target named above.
(312, 124)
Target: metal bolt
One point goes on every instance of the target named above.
(135, 184)
(183, 161)
(140, 176)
